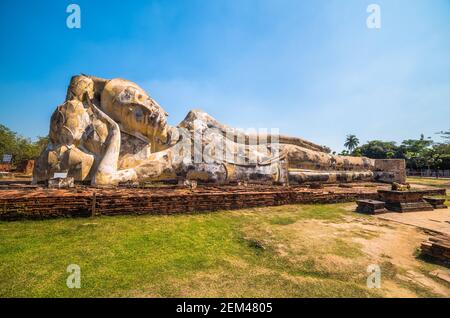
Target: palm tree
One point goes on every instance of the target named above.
(351, 142)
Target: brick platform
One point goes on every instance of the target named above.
(436, 203)
(370, 206)
(40, 203)
(408, 201)
(438, 248)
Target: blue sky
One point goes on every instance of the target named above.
(310, 68)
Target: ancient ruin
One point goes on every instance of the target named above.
(401, 198)
(111, 152)
(111, 131)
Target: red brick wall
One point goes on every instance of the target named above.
(5, 167)
(44, 204)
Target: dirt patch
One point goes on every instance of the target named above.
(344, 249)
(436, 220)
(398, 244)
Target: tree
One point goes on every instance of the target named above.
(351, 142)
(438, 156)
(417, 152)
(41, 144)
(377, 149)
(420, 153)
(19, 147)
(8, 141)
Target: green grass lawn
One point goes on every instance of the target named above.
(287, 251)
(437, 182)
(433, 182)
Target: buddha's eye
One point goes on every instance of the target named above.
(138, 113)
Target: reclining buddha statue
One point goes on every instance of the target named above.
(111, 131)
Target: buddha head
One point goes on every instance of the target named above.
(135, 111)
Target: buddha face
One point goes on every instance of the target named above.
(135, 111)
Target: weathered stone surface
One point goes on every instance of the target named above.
(370, 206)
(390, 170)
(400, 187)
(111, 131)
(438, 248)
(61, 183)
(405, 201)
(437, 203)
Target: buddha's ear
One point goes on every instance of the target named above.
(87, 99)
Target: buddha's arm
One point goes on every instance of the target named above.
(197, 119)
(106, 171)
